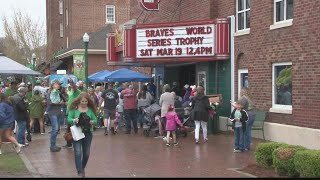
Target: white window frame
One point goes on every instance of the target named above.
(61, 30)
(67, 42)
(277, 108)
(114, 13)
(205, 79)
(60, 7)
(246, 30)
(240, 72)
(67, 17)
(286, 22)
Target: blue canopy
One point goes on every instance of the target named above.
(126, 75)
(98, 76)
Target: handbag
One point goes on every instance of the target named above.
(77, 133)
(68, 136)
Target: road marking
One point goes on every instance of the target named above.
(237, 170)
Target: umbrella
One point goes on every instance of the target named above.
(11, 67)
(98, 76)
(126, 75)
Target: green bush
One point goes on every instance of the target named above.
(263, 153)
(307, 163)
(283, 160)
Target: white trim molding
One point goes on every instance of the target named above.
(242, 32)
(282, 24)
(278, 108)
(77, 51)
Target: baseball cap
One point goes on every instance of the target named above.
(186, 86)
(22, 89)
(38, 82)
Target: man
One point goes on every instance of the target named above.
(129, 108)
(175, 88)
(81, 87)
(110, 98)
(21, 114)
(12, 90)
(152, 88)
(55, 115)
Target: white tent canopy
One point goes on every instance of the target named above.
(10, 67)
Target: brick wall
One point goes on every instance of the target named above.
(297, 44)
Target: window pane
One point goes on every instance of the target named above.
(279, 11)
(240, 21)
(240, 5)
(247, 4)
(289, 9)
(248, 19)
(244, 80)
(283, 81)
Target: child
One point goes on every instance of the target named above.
(172, 120)
(238, 117)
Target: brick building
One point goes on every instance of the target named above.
(68, 20)
(273, 51)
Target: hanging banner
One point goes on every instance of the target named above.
(79, 66)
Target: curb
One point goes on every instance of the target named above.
(29, 166)
(237, 170)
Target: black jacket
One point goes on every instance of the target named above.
(200, 107)
(20, 108)
(244, 118)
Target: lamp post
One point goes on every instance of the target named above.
(86, 43)
(33, 60)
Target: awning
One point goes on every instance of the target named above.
(55, 65)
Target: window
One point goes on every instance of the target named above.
(67, 17)
(282, 88)
(110, 14)
(202, 79)
(243, 14)
(283, 10)
(61, 30)
(243, 80)
(61, 7)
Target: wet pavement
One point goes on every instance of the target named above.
(134, 155)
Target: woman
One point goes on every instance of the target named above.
(247, 105)
(7, 122)
(36, 108)
(83, 103)
(93, 96)
(144, 100)
(200, 106)
(166, 99)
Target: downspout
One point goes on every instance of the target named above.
(232, 31)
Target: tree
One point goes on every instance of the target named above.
(24, 36)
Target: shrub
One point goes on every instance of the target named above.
(263, 153)
(283, 160)
(307, 163)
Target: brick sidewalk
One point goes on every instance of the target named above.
(138, 156)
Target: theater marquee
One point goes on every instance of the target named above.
(180, 41)
(202, 40)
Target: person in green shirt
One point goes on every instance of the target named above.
(12, 90)
(29, 93)
(83, 103)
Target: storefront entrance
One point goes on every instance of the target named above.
(182, 74)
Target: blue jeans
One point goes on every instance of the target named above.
(131, 115)
(21, 134)
(247, 134)
(81, 159)
(238, 138)
(55, 119)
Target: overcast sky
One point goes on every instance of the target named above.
(35, 8)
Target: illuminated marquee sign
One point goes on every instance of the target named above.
(180, 41)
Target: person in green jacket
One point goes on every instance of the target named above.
(36, 108)
(83, 103)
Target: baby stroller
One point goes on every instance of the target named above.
(151, 113)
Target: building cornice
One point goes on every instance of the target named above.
(80, 51)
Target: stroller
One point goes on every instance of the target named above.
(151, 114)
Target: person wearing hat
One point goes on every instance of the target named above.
(110, 98)
(38, 87)
(81, 87)
(129, 108)
(55, 103)
(20, 108)
(12, 90)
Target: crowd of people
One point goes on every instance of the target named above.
(119, 104)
